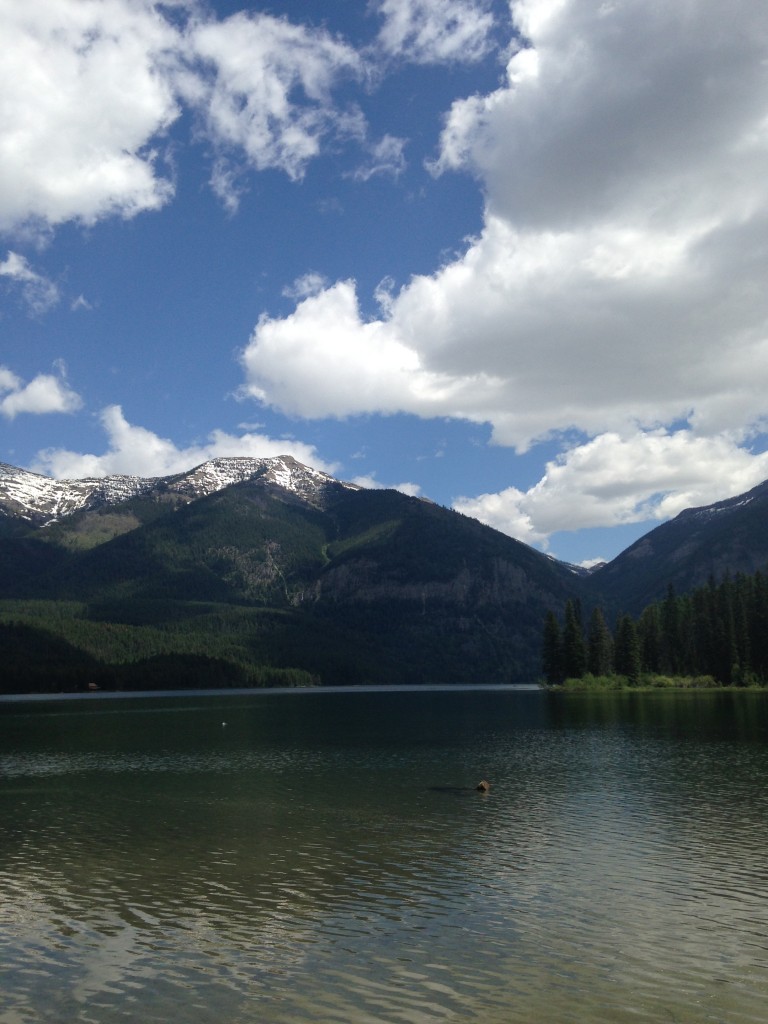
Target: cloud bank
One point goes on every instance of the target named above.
(616, 290)
(93, 88)
(614, 297)
(613, 480)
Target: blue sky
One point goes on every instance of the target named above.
(508, 256)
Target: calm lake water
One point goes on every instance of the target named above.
(323, 857)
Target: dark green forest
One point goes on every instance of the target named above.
(37, 660)
(716, 634)
(255, 585)
(250, 586)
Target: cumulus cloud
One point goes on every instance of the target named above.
(613, 480)
(323, 360)
(38, 292)
(85, 89)
(91, 90)
(135, 450)
(266, 89)
(617, 284)
(435, 31)
(45, 393)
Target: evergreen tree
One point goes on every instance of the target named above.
(718, 630)
(574, 648)
(758, 625)
(671, 638)
(599, 645)
(552, 650)
(627, 650)
(701, 633)
(649, 631)
(741, 627)
(727, 654)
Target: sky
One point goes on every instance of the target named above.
(510, 257)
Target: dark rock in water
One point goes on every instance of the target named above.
(481, 787)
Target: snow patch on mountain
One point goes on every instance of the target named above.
(721, 507)
(42, 500)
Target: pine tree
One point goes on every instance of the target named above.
(599, 645)
(574, 649)
(627, 650)
(741, 626)
(671, 638)
(758, 625)
(552, 650)
(649, 631)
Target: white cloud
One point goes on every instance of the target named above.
(45, 393)
(91, 89)
(39, 293)
(80, 303)
(369, 481)
(435, 31)
(308, 284)
(618, 281)
(322, 360)
(138, 451)
(266, 90)
(613, 480)
(228, 184)
(386, 157)
(85, 89)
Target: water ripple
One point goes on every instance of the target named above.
(610, 875)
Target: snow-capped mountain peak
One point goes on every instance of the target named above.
(42, 500)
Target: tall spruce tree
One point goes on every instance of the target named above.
(627, 650)
(552, 650)
(574, 648)
(599, 645)
(671, 634)
(649, 631)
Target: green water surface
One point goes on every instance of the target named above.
(324, 857)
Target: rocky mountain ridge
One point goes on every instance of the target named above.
(40, 500)
(283, 568)
(729, 536)
(243, 570)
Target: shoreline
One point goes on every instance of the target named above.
(98, 695)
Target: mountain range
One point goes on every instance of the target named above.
(265, 571)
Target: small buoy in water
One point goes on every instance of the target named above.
(223, 725)
(483, 786)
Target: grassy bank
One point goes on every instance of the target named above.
(647, 681)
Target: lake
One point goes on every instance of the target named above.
(324, 857)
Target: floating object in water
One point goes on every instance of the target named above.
(481, 787)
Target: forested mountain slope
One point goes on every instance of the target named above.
(700, 543)
(344, 584)
(264, 571)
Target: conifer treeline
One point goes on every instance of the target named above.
(718, 630)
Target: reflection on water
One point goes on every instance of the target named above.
(324, 858)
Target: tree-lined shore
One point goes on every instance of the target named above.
(716, 635)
